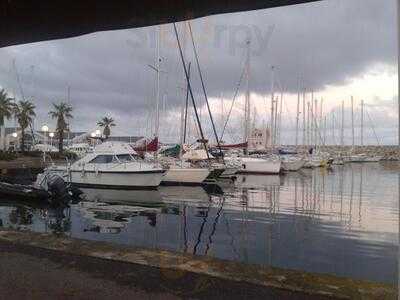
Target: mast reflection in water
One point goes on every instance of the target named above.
(343, 222)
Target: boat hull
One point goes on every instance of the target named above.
(215, 173)
(117, 180)
(310, 164)
(259, 166)
(185, 176)
(294, 165)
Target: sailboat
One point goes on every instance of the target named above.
(180, 171)
(255, 164)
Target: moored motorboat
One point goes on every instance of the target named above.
(112, 165)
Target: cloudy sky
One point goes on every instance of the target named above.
(336, 48)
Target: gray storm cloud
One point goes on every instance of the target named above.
(324, 43)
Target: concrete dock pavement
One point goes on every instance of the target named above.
(34, 273)
(44, 266)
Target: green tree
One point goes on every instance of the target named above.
(62, 112)
(6, 110)
(106, 123)
(24, 111)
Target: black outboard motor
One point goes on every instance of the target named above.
(58, 189)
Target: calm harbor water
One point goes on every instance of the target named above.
(342, 222)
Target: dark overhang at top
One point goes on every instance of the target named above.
(26, 21)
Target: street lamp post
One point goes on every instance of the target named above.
(93, 135)
(51, 135)
(98, 135)
(45, 129)
(15, 135)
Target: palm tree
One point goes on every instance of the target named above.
(6, 109)
(106, 123)
(62, 112)
(24, 111)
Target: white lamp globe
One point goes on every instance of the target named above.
(51, 134)
(15, 134)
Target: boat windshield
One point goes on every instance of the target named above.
(125, 158)
(102, 159)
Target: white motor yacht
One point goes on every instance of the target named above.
(80, 149)
(112, 165)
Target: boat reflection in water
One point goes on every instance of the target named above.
(343, 222)
(257, 181)
(149, 197)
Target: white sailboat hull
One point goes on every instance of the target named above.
(185, 176)
(293, 165)
(313, 163)
(260, 166)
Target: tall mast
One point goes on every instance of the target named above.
(322, 121)
(280, 118)
(325, 121)
(69, 102)
(312, 118)
(204, 88)
(247, 97)
(308, 123)
(398, 73)
(352, 121)
(272, 107)
(362, 122)
(276, 110)
(316, 127)
(276, 103)
(156, 131)
(297, 115)
(342, 129)
(304, 117)
(186, 108)
(190, 91)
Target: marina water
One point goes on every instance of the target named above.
(342, 221)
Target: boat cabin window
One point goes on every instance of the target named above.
(102, 159)
(125, 158)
